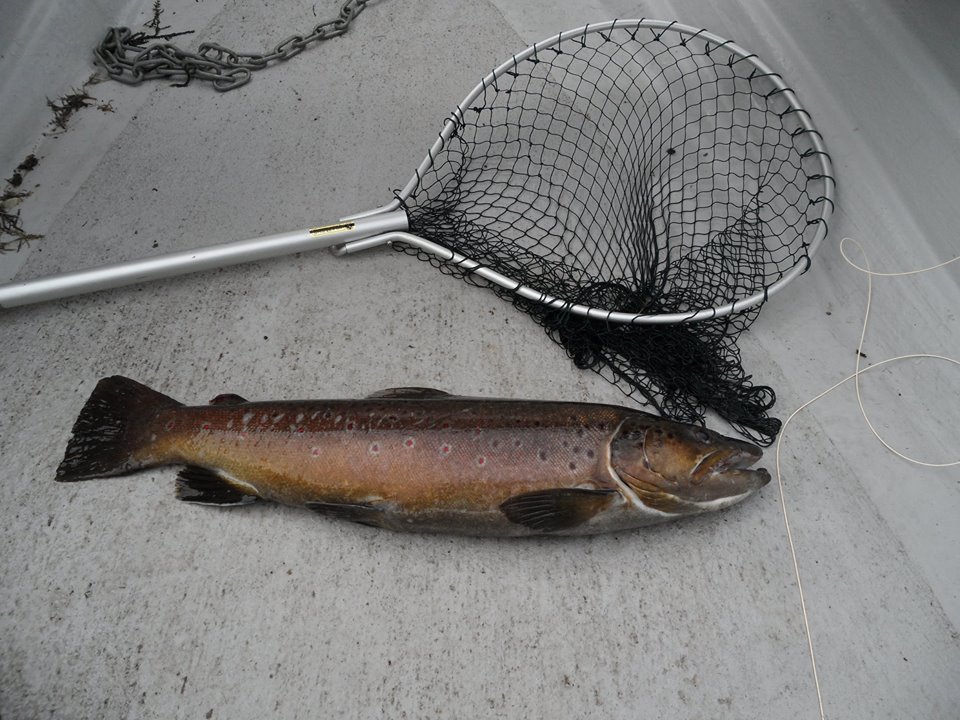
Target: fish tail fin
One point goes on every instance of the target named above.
(112, 426)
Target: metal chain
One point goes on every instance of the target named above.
(125, 59)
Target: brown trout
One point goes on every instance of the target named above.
(420, 460)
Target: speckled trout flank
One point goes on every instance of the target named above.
(419, 459)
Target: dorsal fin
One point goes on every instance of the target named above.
(228, 399)
(409, 393)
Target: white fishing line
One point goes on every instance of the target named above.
(865, 268)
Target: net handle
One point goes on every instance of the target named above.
(658, 27)
(63, 285)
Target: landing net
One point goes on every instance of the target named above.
(647, 171)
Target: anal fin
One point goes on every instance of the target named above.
(363, 513)
(557, 509)
(205, 487)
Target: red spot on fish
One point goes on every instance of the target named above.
(350, 425)
(169, 425)
(375, 449)
(445, 426)
(445, 450)
(409, 442)
(315, 452)
(481, 461)
(301, 429)
(206, 426)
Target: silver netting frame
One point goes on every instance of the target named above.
(636, 151)
(643, 187)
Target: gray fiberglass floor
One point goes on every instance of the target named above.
(118, 601)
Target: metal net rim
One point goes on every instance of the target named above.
(713, 43)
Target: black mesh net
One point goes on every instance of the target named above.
(635, 171)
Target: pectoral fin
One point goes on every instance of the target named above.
(558, 509)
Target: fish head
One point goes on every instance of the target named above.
(684, 469)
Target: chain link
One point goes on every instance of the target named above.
(124, 57)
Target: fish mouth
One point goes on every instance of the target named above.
(726, 475)
(727, 460)
(734, 478)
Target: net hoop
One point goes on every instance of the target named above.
(713, 43)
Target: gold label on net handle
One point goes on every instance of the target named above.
(337, 227)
